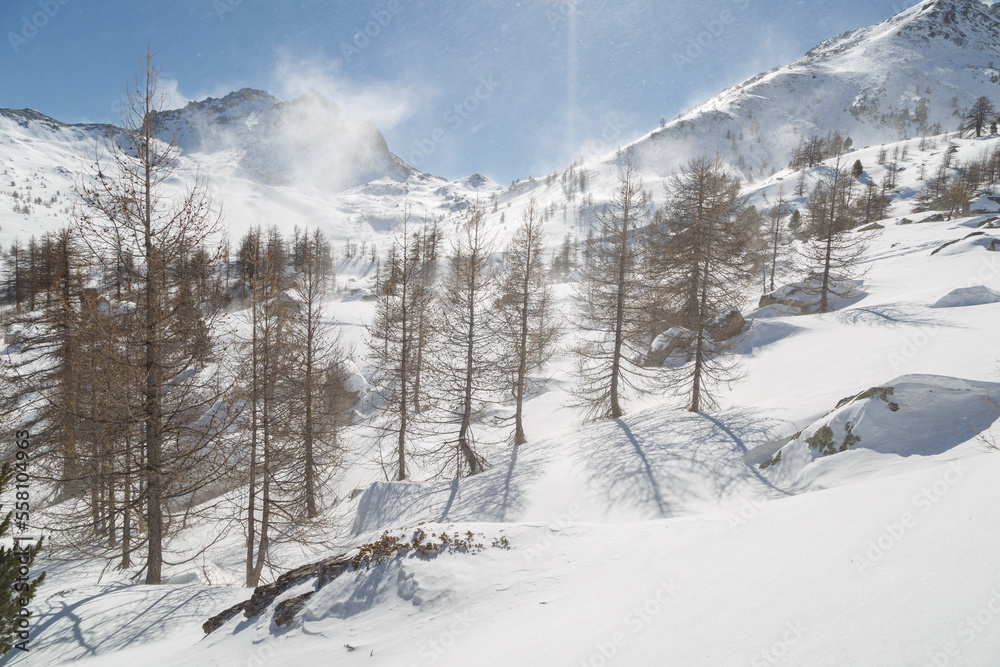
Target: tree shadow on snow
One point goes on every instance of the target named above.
(494, 495)
(95, 625)
(665, 464)
(891, 315)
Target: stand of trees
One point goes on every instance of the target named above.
(447, 344)
(139, 410)
(148, 406)
(953, 185)
(833, 251)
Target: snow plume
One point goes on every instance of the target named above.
(318, 132)
(310, 142)
(326, 135)
(385, 104)
(171, 94)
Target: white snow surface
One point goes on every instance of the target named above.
(657, 539)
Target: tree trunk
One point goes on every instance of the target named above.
(463, 431)
(152, 407)
(254, 397)
(310, 473)
(522, 361)
(127, 505)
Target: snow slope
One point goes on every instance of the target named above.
(895, 79)
(658, 538)
(299, 163)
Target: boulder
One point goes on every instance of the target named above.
(727, 326)
(802, 298)
(679, 339)
(790, 296)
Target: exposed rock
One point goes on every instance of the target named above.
(727, 326)
(791, 296)
(286, 610)
(773, 461)
(950, 243)
(668, 342)
(324, 571)
(803, 298)
(882, 392)
(823, 441)
(220, 619)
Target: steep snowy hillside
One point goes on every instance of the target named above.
(915, 71)
(300, 163)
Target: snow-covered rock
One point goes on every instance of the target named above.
(977, 295)
(912, 415)
(803, 297)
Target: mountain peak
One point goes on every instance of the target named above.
(949, 23)
(236, 99)
(958, 21)
(910, 75)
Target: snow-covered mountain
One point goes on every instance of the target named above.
(301, 162)
(307, 141)
(305, 162)
(909, 75)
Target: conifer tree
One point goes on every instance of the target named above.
(320, 396)
(611, 299)
(129, 213)
(979, 116)
(701, 252)
(775, 231)
(524, 302)
(466, 365)
(392, 340)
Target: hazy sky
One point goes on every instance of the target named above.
(509, 89)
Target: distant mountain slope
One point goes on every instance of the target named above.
(900, 78)
(301, 162)
(306, 141)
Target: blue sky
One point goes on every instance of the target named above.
(509, 89)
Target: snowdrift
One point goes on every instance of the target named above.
(913, 415)
(976, 295)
